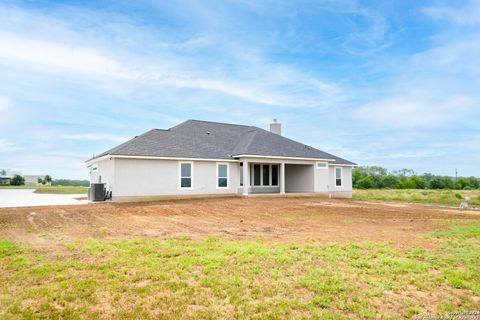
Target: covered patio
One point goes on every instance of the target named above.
(268, 176)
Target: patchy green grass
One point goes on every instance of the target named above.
(51, 189)
(62, 190)
(439, 197)
(213, 279)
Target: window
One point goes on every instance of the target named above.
(338, 177)
(241, 174)
(222, 175)
(266, 175)
(256, 175)
(186, 171)
(321, 165)
(274, 175)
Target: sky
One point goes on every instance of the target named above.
(388, 83)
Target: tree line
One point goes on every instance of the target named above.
(18, 180)
(375, 177)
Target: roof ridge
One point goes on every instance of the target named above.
(224, 123)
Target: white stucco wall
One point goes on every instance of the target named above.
(155, 177)
(346, 188)
(137, 177)
(105, 169)
(299, 178)
(322, 179)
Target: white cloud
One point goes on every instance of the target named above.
(96, 137)
(7, 146)
(267, 85)
(430, 88)
(10, 114)
(461, 15)
(58, 55)
(205, 60)
(415, 109)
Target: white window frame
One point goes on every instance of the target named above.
(228, 175)
(322, 163)
(180, 175)
(341, 177)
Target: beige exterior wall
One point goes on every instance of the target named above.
(299, 178)
(104, 173)
(143, 178)
(137, 177)
(322, 179)
(345, 191)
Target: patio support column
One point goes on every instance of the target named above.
(246, 177)
(282, 178)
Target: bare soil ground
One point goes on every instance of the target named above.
(279, 219)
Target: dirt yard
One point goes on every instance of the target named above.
(280, 219)
(198, 259)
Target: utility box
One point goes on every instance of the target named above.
(97, 192)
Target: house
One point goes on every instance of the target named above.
(6, 176)
(5, 179)
(198, 158)
(32, 180)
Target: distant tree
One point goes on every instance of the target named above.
(40, 181)
(406, 183)
(439, 182)
(419, 182)
(47, 179)
(427, 177)
(461, 184)
(389, 182)
(17, 180)
(406, 173)
(376, 171)
(3, 172)
(365, 183)
(473, 182)
(357, 175)
(367, 177)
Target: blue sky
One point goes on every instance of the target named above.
(390, 83)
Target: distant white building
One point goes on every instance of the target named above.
(32, 180)
(6, 176)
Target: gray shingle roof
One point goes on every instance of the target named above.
(213, 140)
